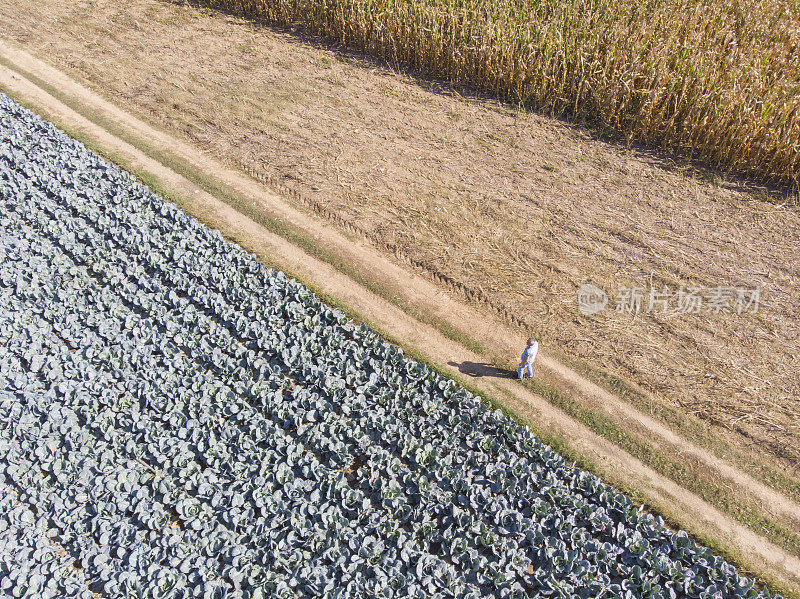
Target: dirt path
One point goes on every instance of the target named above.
(420, 292)
(615, 464)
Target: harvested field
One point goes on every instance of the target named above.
(718, 78)
(427, 173)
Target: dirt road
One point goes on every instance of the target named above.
(697, 516)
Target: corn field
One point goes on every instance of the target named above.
(716, 79)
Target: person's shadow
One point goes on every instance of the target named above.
(479, 369)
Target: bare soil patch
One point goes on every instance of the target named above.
(524, 208)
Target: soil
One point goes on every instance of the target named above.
(696, 514)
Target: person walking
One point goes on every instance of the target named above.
(528, 356)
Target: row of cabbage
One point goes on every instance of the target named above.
(180, 421)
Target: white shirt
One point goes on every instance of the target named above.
(529, 355)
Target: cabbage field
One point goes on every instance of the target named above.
(178, 420)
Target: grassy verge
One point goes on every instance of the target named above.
(603, 426)
(693, 430)
(693, 477)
